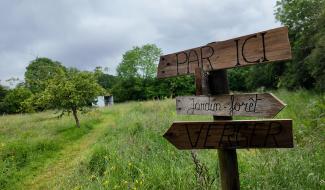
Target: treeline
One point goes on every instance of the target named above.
(136, 74)
(50, 85)
(306, 22)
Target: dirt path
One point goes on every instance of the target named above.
(68, 158)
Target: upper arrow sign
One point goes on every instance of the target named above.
(258, 105)
(268, 46)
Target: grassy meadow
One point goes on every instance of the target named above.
(122, 147)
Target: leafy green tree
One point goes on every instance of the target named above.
(149, 56)
(13, 101)
(71, 92)
(136, 73)
(3, 92)
(238, 78)
(105, 80)
(316, 59)
(129, 89)
(306, 26)
(265, 75)
(139, 62)
(39, 71)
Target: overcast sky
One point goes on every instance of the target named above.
(86, 34)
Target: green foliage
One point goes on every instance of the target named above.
(128, 89)
(13, 101)
(39, 71)
(238, 78)
(305, 19)
(29, 141)
(136, 77)
(74, 89)
(98, 161)
(267, 75)
(3, 92)
(316, 59)
(139, 62)
(152, 88)
(104, 80)
(71, 92)
(133, 154)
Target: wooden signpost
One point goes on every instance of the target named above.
(258, 105)
(231, 134)
(263, 47)
(209, 63)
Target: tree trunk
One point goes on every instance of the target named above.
(74, 111)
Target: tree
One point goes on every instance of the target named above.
(129, 89)
(3, 92)
(139, 62)
(305, 23)
(136, 74)
(316, 59)
(105, 80)
(13, 101)
(39, 71)
(71, 92)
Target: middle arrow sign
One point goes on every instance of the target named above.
(258, 105)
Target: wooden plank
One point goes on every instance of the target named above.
(263, 47)
(231, 134)
(249, 104)
(201, 82)
(228, 164)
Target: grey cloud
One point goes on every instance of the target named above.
(86, 34)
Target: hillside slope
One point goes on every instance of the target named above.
(122, 148)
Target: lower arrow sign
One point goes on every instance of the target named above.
(231, 134)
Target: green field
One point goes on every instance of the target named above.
(122, 148)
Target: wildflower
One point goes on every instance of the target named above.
(92, 177)
(105, 183)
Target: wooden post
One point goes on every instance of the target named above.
(218, 84)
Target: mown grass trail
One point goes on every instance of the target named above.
(69, 158)
(29, 142)
(122, 148)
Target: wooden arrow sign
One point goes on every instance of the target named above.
(264, 47)
(258, 105)
(231, 134)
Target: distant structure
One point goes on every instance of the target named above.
(104, 101)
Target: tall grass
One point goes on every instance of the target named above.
(29, 141)
(134, 155)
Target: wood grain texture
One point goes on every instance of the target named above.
(228, 165)
(249, 104)
(231, 134)
(201, 82)
(263, 47)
